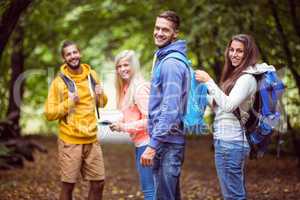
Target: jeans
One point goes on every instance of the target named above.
(229, 160)
(145, 174)
(167, 165)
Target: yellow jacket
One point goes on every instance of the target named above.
(77, 122)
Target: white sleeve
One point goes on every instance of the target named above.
(243, 88)
(209, 100)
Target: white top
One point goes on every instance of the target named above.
(226, 125)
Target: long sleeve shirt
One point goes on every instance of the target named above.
(226, 125)
(136, 115)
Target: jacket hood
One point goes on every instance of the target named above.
(259, 68)
(86, 69)
(179, 46)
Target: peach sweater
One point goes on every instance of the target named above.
(135, 115)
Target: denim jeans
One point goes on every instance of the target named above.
(229, 160)
(167, 165)
(146, 175)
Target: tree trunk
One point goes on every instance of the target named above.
(9, 20)
(253, 31)
(217, 65)
(293, 12)
(16, 85)
(198, 53)
(284, 43)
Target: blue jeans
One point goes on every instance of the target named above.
(229, 160)
(146, 175)
(166, 169)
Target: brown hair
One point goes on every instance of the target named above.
(65, 44)
(171, 16)
(230, 73)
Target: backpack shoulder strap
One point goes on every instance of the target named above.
(68, 81)
(92, 85)
(257, 100)
(176, 55)
(92, 81)
(179, 56)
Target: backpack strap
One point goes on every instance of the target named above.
(180, 57)
(253, 119)
(92, 81)
(92, 85)
(176, 55)
(196, 100)
(72, 88)
(69, 82)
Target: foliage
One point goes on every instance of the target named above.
(103, 28)
(4, 151)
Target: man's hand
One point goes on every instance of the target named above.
(74, 97)
(147, 157)
(98, 89)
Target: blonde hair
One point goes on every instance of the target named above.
(135, 79)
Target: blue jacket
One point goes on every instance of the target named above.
(168, 97)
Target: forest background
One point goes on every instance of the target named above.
(31, 32)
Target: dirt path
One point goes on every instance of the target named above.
(268, 179)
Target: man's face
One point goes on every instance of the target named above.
(164, 32)
(72, 56)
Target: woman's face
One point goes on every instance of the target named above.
(236, 53)
(124, 69)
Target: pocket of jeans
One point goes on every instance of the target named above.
(175, 168)
(176, 159)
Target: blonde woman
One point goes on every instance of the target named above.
(132, 95)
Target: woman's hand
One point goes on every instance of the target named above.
(147, 157)
(202, 76)
(118, 126)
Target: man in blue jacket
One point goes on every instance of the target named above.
(168, 98)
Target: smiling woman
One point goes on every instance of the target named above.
(124, 70)
(236, 92)
(236, 53)
(132, 94)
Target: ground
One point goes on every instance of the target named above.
(266, 179)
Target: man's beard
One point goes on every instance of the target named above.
(74, 67)
(166, 43)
